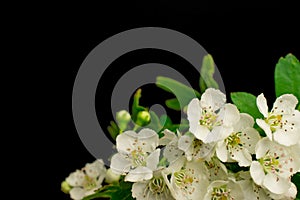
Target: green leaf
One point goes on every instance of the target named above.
(173, 104)
(113, 130)
(116, 191)
(136, 108)
(206, 74)
(183, 93)
(154, 122)
(287, 76)
(296, 181)
(246, 103)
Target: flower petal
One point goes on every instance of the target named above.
(276, 184)
(257, 172)
(262, 105)
(95, 169)
(153, 159)
(199, 131)
(212, 99)
(285, 104)
(245, 121)
(287, 138)
(194, 110)
(221, 151)
(217, 134)
(262, 147)
(168, 137)
(119, 164)
(266, 127)
(249, 138)
(229, 114)
(242, 156)
(76, 178)
(139, 174)
(77, 193)
(148, 139)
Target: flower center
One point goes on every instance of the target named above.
(138, 157)
(270, 163)
(234, 140)
(184, 181)
(275, 121)
(209, 119)
(221, 193)
(89, 183)
(157, 185)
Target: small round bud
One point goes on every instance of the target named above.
(111, 177)
(65, 187)
(143, 118)
(123, 116)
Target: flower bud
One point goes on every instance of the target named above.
(143, 118)
(123, 118)
(111, 177)
(65, 187)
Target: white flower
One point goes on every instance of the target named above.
(274, 166)
(194, 148)
(171, 151)
(211, 119)
(188, 182)
(282, 124)
(224, 190)
(153, 189)
(216, 169)
(84, 182)
(240, 144)
(137, 155)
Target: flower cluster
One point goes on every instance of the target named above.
(192, 165)
(218, 151)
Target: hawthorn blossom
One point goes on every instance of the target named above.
(188, 181)
(211, 118)
(240, 144)
(224, 190)
(137, 155)
(153, 189)
(216, 169)
(282, 124)
(274, 166)
(194, 148)
(85, 181)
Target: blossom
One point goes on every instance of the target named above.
(240, 144)
(137, 155)
(153, 189)
(84, 182)
(194, 148)
(216, 169)
(282, 124)
(211, 118)
(224, 190)
(189, 181)
(274, 166)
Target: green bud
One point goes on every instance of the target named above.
(65, 187)
(143, 118)
(111, 177)
(123, 118)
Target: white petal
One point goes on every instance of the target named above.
(285, 104)
(276, 184)
(125, 142)
(250, 137)
(286, 138)
(262, 105)
(153, 159)
(138, 190)
(266, 127)
(76, 178)
(185, 142)
(148, 139)
(245, 121)
(194, 110)
(168, 137)
(229, 114)
(199, 131)
(95, 169)
(217, 134)
(119, 164)
(221, 151)
(243, 157)
(139, 174)
(262, 146)
(257, 172)
(77, 193)
(212, 99)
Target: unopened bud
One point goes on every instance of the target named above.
(111, 177)
(143, 118)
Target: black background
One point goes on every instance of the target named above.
(245, 40)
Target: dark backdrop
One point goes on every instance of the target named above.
(245, 40)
